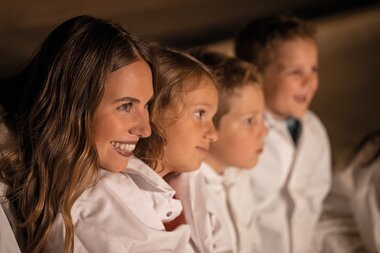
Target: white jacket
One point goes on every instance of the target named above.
(205, 211)
(238, 187)
(290, 184)
(219, 209)
(124, 212)
(350, 221)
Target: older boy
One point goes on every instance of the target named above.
(293, 175)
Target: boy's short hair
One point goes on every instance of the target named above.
(230, 73)
(258, 41)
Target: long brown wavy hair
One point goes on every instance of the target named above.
(177, 73)
(55, 158)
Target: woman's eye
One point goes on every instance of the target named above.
(127, 107)
(199, 114)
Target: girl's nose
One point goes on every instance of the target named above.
(212, 134)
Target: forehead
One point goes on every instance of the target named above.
(203, 93)
(199, 89)
(133, 80)
(297, 47)
(245, 98)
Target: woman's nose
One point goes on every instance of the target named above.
(141, 127)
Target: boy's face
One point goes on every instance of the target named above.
(291, 79)
(241, 131)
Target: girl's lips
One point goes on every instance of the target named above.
(124, 152)
(202, 149)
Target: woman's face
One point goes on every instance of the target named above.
(122, 116)
(189, 137)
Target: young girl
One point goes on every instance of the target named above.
(83, 108)
(185, 103)
(220, 220)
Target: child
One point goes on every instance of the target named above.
(293, 175)
(220, 222)
(350, 221)
(83, 108)
(185, 103)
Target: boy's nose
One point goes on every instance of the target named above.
(310, 79)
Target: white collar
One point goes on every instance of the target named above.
(273, 121)
(145, 177)
(210, 174)
(152, 184)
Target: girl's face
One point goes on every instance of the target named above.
(241, 131)
(122, 118)
(190, 135)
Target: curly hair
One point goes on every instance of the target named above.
(177, 73)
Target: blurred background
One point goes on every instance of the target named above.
(348, 101)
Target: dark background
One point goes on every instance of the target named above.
(348, 101)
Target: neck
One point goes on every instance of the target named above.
(217, 165)
(275, 115)
(161, 169)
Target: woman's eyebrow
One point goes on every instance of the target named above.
(130, 99)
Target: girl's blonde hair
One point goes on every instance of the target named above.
(55, 159)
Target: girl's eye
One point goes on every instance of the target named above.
(199, 114)
(314, 69)
(127, 107)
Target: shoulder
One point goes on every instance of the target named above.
(314, 125)
(312, 120)
(112, 190)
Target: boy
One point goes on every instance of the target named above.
(294, 173)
